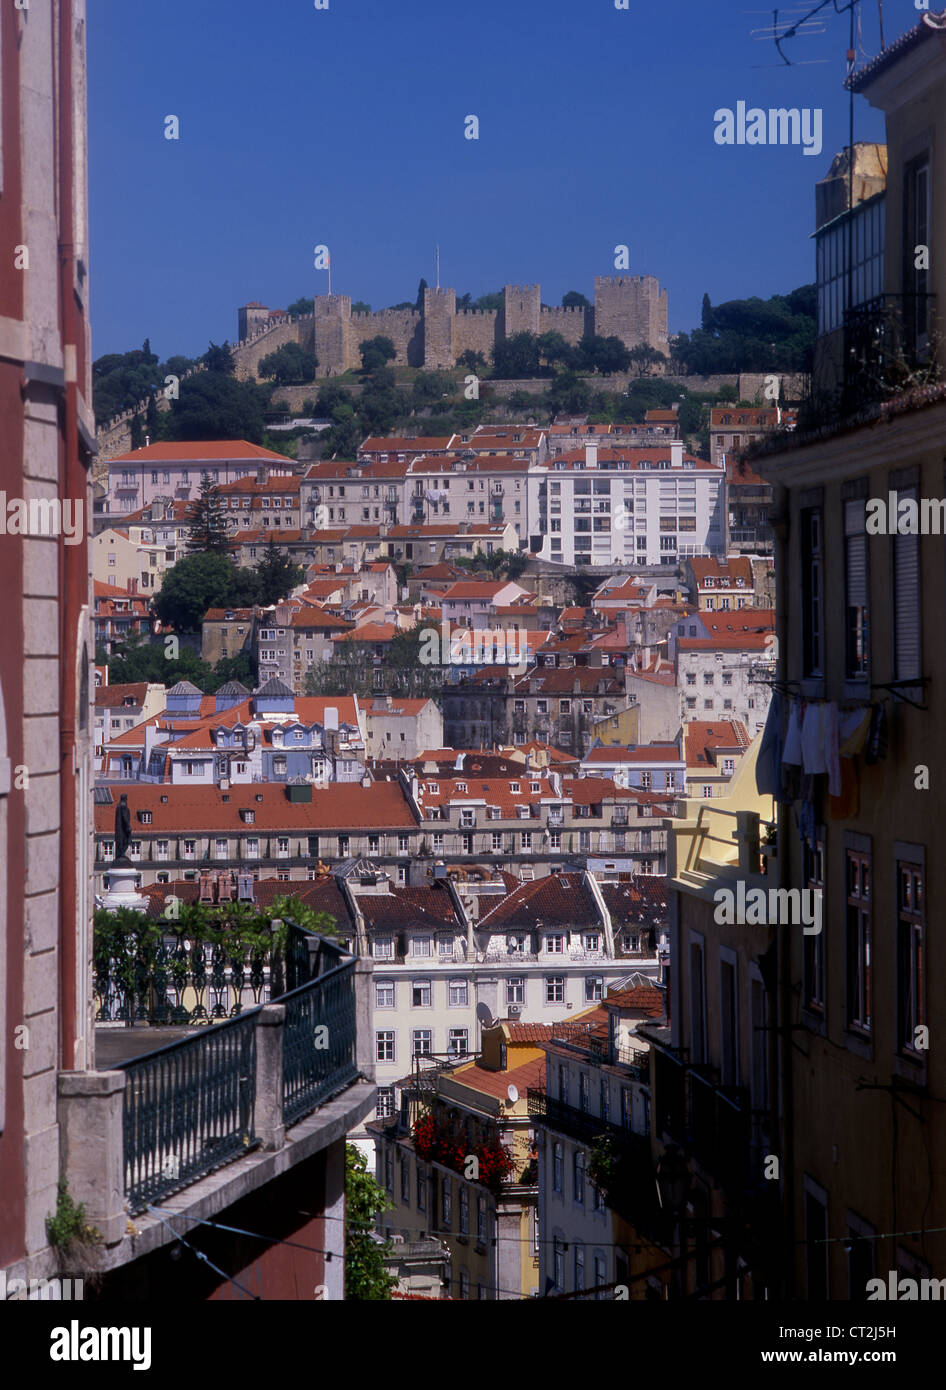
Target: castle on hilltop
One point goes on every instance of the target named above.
(632, 308)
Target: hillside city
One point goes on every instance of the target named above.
(466, 795)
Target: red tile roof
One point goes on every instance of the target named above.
(342, 807)
(555, 900)
(709, 567)
(646, 999)
(212, 450)
(408, 907)
(528, 1076)
(108, 696)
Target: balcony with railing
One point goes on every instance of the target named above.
(887, 348)
(289, 1069)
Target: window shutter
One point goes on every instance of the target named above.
(906, 598)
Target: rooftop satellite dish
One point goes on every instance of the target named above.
(484, 1015)
(513, 1094)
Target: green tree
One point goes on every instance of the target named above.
(177, 366)
(360, 307)
(706, 315)
(207, 518)
(517, 356)
(381, 404)
(375, 352)
(299, 307)
(491, 303)
(243, 667)
(568, 393)
(212, 405)
(419, 301)
(330, 397)
(554, 350)
(137, 432)
(219, 359)
(198, 582)
(366, 1278)
(430, 387)
(345, 437)
(475, 361)
(136, 659)
(278, 576)
(605, 355)
(574, 300)
(289, 365)
(644, 357)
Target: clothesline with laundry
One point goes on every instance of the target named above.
(820, 739)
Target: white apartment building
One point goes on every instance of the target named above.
(440, 969)
(641, 506)
(725, 677)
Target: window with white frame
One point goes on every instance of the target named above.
(420, 994)
(555, 989)
(459, 993)
(384, 1045)
(384, 994)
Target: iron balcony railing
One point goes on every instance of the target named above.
(188, 1108)
(579, 1124)
(886, 341)
(318, 1041)
(178, 983)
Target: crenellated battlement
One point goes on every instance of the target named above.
(630, 307)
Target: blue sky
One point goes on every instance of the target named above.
(345, 127)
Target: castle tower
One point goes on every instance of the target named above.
(522, 305)
(632, 308)
(333, 346)
(250, 317)
(440, 312)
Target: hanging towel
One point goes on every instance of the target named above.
(853, 729)
(831, 749)
(791, 753)
(813, 740)
(845, 806)
(768, 768)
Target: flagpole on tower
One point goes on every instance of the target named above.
(438, 267)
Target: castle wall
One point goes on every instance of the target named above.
(477, 330)
(405, 328)
(247, 355)
(573, 324)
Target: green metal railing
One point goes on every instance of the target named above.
(188, 1108)
(318, 1041)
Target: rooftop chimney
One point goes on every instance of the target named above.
(591, 456)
